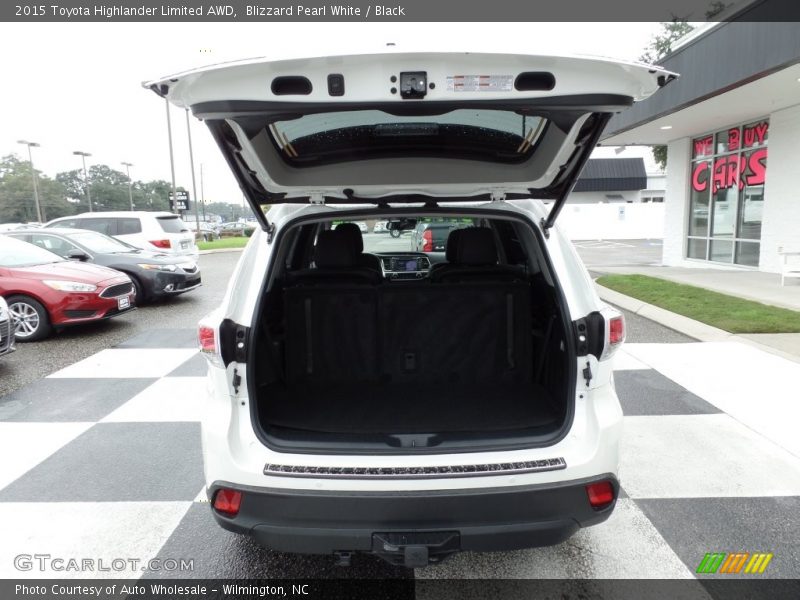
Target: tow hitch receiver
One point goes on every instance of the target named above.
(416, 549)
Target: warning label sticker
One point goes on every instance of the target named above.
(480, 83)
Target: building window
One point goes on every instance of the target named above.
(729, 168)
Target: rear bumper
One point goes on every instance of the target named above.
(491, 519)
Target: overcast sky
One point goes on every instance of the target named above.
(77, 86)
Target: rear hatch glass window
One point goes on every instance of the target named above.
(481, 134)
(172, 224)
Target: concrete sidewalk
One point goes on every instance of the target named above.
(751, 285)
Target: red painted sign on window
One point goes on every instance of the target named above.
(704, 146)
(728, 171)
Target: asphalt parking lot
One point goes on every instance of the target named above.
(35, 360)
(101, 439)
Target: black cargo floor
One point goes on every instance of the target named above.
(417, 408)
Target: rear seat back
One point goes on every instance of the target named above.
(331, 333)
(444, 333)
(456, 333)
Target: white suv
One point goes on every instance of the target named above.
(163, 232)
(410, 404)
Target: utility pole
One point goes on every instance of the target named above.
(33, 176)
(83, 156)
(130, 189)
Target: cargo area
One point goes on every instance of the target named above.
(470, 355)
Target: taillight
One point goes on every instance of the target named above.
(616, 330)
(615, 333)
(227, 501)
(207, 338)
(427, 241)
(161, 243)
(601, 494)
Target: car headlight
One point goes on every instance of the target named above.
(69, 286)
(152, 267)
(187, 266)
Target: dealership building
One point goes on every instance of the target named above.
(731, 123)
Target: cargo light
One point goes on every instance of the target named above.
(601, 494)
(227, 502)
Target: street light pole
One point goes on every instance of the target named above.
(202, 193)
(191, 164)
(171, 160)
(33, 176)
(130, 189)
(83, 156)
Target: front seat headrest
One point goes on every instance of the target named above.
(353, 233)
(334, 250)
(476, 247)
(451, 248)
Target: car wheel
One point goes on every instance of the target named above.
(30, 318)
(137, 287)
(395, 233)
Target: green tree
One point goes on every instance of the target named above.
(16, 193)
(659, 47)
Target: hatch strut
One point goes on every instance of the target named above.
(580, 159)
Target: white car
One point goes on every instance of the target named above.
(163, 232)
(410, 404)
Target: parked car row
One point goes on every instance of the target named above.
(61, 275)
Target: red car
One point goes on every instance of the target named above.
(44, 291)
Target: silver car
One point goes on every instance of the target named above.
(6, 329)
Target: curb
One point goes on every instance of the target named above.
(221, 250)
(685, 325)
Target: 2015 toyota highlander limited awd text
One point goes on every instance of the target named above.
(402, 401)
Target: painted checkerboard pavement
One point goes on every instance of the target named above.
(102, 459)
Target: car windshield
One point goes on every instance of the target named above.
(16, 253)
(329, 137)
(99, 243)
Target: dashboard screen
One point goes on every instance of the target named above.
(405, 264)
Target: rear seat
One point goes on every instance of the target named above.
(472, 256)
(472, 326)
(331, 316)
(456, 333)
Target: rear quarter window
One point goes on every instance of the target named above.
(172, 224)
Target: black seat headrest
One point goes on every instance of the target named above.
(476, 247)
(334, 250)
(353, 233)
(451, 248)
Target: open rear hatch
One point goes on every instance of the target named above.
(337, 365)
(409, 127)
